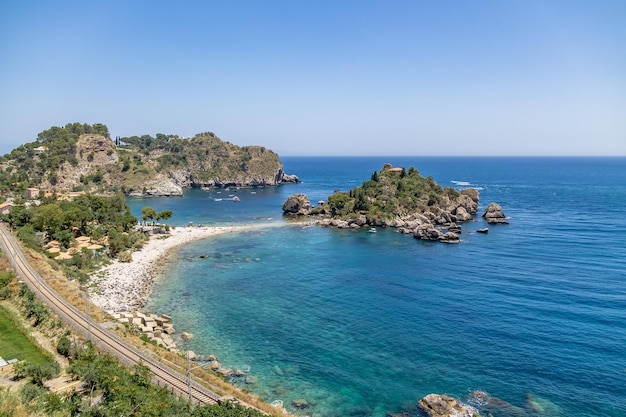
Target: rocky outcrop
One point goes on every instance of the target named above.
(163, 187)
(430, 232)
(493, 214)
(436, 405)
(297, 204)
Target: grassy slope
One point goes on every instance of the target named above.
(14, 344)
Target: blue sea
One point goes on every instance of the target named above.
(364, 324)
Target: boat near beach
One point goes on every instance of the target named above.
(372, 230)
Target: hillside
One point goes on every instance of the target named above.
(81, 157)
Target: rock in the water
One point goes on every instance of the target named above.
(494, 215)
(297, 204)
(426, 232)
(436, 405)
(473, 194)
(494, 405)
(300, 403)
(541, 406)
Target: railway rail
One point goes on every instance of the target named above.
(101, 337)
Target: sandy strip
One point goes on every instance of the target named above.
(126, 286)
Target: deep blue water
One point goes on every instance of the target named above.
(362, 324)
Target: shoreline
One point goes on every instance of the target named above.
(126, 286)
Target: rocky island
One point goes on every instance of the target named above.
(398, 198)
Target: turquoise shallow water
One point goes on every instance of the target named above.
(362, 324)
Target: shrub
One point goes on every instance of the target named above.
(30, 391)
(63, 346)
(125, 256)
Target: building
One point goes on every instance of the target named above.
(40, 149)
(32, 193)
(5, 208)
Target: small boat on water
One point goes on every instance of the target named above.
(236, 199)
(372, 230)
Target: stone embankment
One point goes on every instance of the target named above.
(159, 329)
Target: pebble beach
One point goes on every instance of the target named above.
(126, 286)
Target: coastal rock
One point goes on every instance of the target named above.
(542, 407)
(472, 193)
(300, 403)
(288, 179)
(462, 215)
(340, 224)
(297, 204)
(493, 214)
(436, 405)
(494, 405)
(427, 232)
(225, 371)
(251, 380)
(450, 237)
(163, 187)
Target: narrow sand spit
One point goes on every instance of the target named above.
(125, 286)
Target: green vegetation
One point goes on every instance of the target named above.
(14, 344)
(102, 219)
(33, 162)
(388, 194)
(148, 213)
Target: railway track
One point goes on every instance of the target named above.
(102, 338)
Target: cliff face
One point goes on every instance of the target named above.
(96, 164)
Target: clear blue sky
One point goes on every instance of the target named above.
(388, 77)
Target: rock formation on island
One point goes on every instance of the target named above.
(398, 198)
(298, 204)
(81, 157)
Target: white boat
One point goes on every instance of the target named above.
(236, 199)
(372, 230)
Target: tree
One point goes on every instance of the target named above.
(164, 215)
(47, 218)
(148, 213)
(63, 346)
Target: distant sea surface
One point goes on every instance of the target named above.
(361, 324)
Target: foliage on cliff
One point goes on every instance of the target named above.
(82, 157)
(390, 193)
